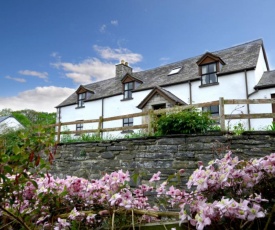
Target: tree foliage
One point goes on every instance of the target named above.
(29, 117)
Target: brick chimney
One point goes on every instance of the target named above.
(122, 69)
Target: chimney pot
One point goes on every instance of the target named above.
(122, 69)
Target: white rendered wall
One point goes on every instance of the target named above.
(261, 124)
(230, 87)
(10, 123)
(182, 91)
(260, 67)
(92, 110)
(116, 106)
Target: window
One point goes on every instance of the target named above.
(174, 71)
(79, 127)
(128, 87)
(159, 106)
(213, 110)
(209, 75)
(128, 122)
(81, 98)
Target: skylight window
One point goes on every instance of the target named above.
(174, 71)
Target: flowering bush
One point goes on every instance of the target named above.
(231, 191)
(227, 192)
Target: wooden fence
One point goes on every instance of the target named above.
(150, 114)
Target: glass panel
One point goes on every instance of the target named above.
(205, 109)
(204, 79)
(213, 78)
(204, 69)
(126, 86)
(174, 71)
(131, 85)
(207, 81)
(214, 109)
(212, 68)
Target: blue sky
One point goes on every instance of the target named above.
(48, 48)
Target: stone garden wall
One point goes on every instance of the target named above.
(150, 155)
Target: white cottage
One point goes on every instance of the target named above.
(8, 123)
(239, 72)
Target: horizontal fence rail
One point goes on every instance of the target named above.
(151, 113)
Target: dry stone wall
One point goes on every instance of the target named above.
(147, 156)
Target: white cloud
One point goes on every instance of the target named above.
(103, 28)
(22, 80)
(40, 99)
(87, 71)
(114, 22)
(118, 54)
(42, 75)
(56, 55)
(93, 69)
(164, 59)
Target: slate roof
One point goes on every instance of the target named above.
(267, 80)
(170, 96)
(237, 58)
(3, 118)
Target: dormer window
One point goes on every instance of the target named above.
(209, 65)
(83, 94)
(128, 87)
(209, 74)
(81, 99)
(129, 84)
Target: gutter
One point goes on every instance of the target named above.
(248, 106)
(102, 114)
(190, 92)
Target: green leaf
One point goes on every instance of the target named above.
(16, 150)
(8, 169)
(34, 184)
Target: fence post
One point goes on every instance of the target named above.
(99, 126)
(58, 132)
(222, 120)
(150, 122)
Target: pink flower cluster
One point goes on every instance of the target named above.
(221, 190)
(230, 177)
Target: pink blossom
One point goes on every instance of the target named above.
(74, 214)
(155, 177)
(255, 212)
(201, 221)
(61, 224)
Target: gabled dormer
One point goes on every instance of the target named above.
(129, 83)
(209, 65)
(82, 95)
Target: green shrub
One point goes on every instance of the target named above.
(238, 129)
(271, 127)
(184, 122)
(136, 134)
